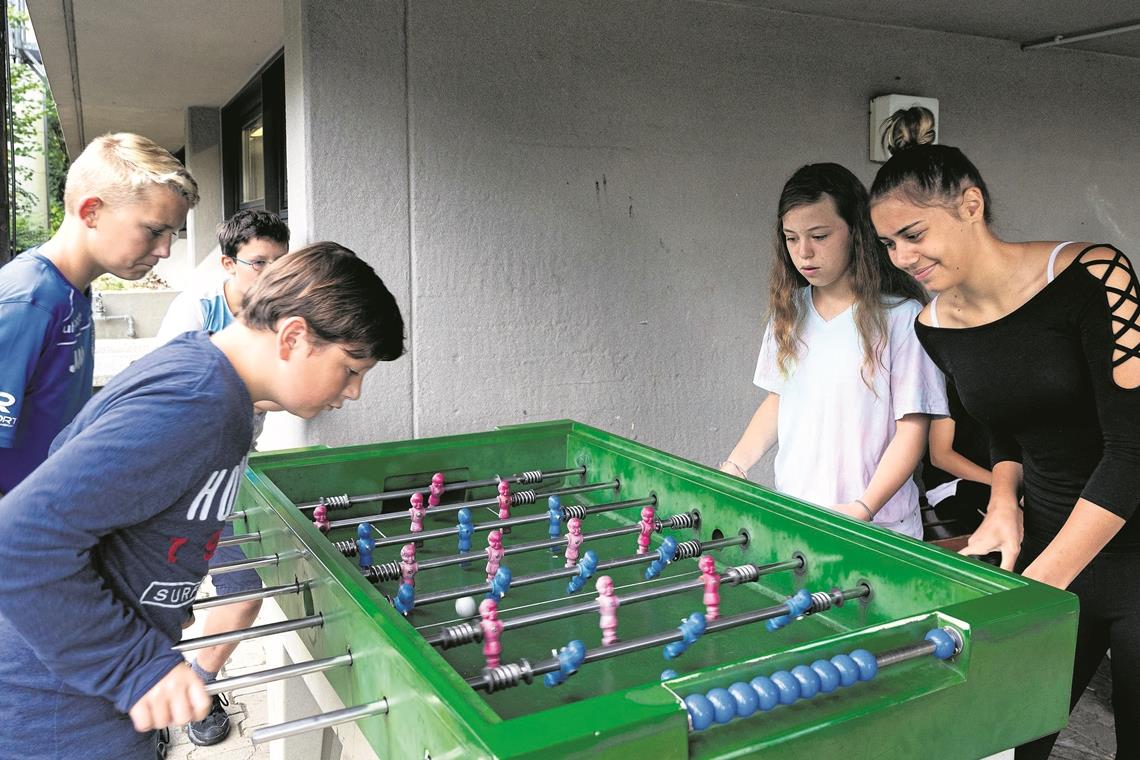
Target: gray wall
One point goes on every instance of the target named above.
(574, 200)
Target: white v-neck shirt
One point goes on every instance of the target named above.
(833, 429)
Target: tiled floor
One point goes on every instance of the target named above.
(1089, 735)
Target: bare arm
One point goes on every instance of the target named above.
(944, 457)
(759, 436)
(1081, 538)
(895, 468)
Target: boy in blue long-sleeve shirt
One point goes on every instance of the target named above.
(114, 532)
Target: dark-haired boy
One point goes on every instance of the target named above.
(250, 241)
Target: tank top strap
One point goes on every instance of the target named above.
(934, 312)
(1053, 260)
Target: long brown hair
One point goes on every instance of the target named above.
(873, 275)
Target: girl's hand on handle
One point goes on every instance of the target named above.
(1000, 531)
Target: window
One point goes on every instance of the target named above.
(253, 144)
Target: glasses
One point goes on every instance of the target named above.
(256, 265)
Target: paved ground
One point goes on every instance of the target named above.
(1089, 735)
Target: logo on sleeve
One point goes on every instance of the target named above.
(7, 401)
(161, 594)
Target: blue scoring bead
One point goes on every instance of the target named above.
(768, 692)
(747, 701)
(701, 711)
(944, 645)
(723, 704)
(828, 675)
(787, 684)
(808, 680)
(868, 665)
(848, 670)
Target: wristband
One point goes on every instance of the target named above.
(863, 504)
(743, 472)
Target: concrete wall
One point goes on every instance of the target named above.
(146, 307)
(578, 209)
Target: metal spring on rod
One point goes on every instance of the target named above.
(530, 477)
(336, 502)
(574, 510)
(458, 635)
(524, 497)
(385, 571)
(683, 520)
(347, 547)
(820, 601)
(506, 676)
(743, 573)
(688, 550)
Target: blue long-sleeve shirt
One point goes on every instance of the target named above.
(105, 544)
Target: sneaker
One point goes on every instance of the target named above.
(214, 727)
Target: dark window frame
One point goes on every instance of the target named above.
(264, 96)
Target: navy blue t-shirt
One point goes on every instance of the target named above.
(111, 537)
(46, 367)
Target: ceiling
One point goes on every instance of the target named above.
(138, 64)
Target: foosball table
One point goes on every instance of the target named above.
(553, 590)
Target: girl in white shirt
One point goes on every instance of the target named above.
(850, 390)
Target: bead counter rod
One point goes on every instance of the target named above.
(532, 477)
(348, 548)
(507, 676)
(519, 497)
(256, 632)
(464, 633)
(244, 596)
(568, 572)
(277, 674)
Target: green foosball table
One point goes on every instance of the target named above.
(807, 635)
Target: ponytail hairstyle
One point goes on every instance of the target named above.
(873, 275)
(921, 172)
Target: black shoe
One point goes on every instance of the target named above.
(212, 729)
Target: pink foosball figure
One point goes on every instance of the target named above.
(607, 609)
(494, 553)
(321, 518)
(408, 565)
(435, 493)
(574, 539)
(492, 630)
(712, 587)
(417, 512)
(647, 526)
(504, 500)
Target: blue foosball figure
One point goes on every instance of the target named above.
(586, 567)
(405, 599)
(365, 544)
(466, 530)
(570, 658)
(665, 554)
(692, 628)
(500, 583)
(797, 605)
(554, 512)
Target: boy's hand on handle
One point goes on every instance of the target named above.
(1000, 531)
(180, 697)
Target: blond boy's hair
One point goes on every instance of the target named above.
(120, 167)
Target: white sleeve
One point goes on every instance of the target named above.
(917, 385)
(184, 315)
(768, 375)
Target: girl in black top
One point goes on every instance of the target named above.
(1041, 340)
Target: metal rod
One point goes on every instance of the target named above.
(245, 596)
(277, 674)
(482, 682)
(493, 500)
(427, 535)
(318, 722)
(407, 492)
(249, 564)
(744, 574)
(246, 538)
(1065, 39)
(566, 572)
(256, 632)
